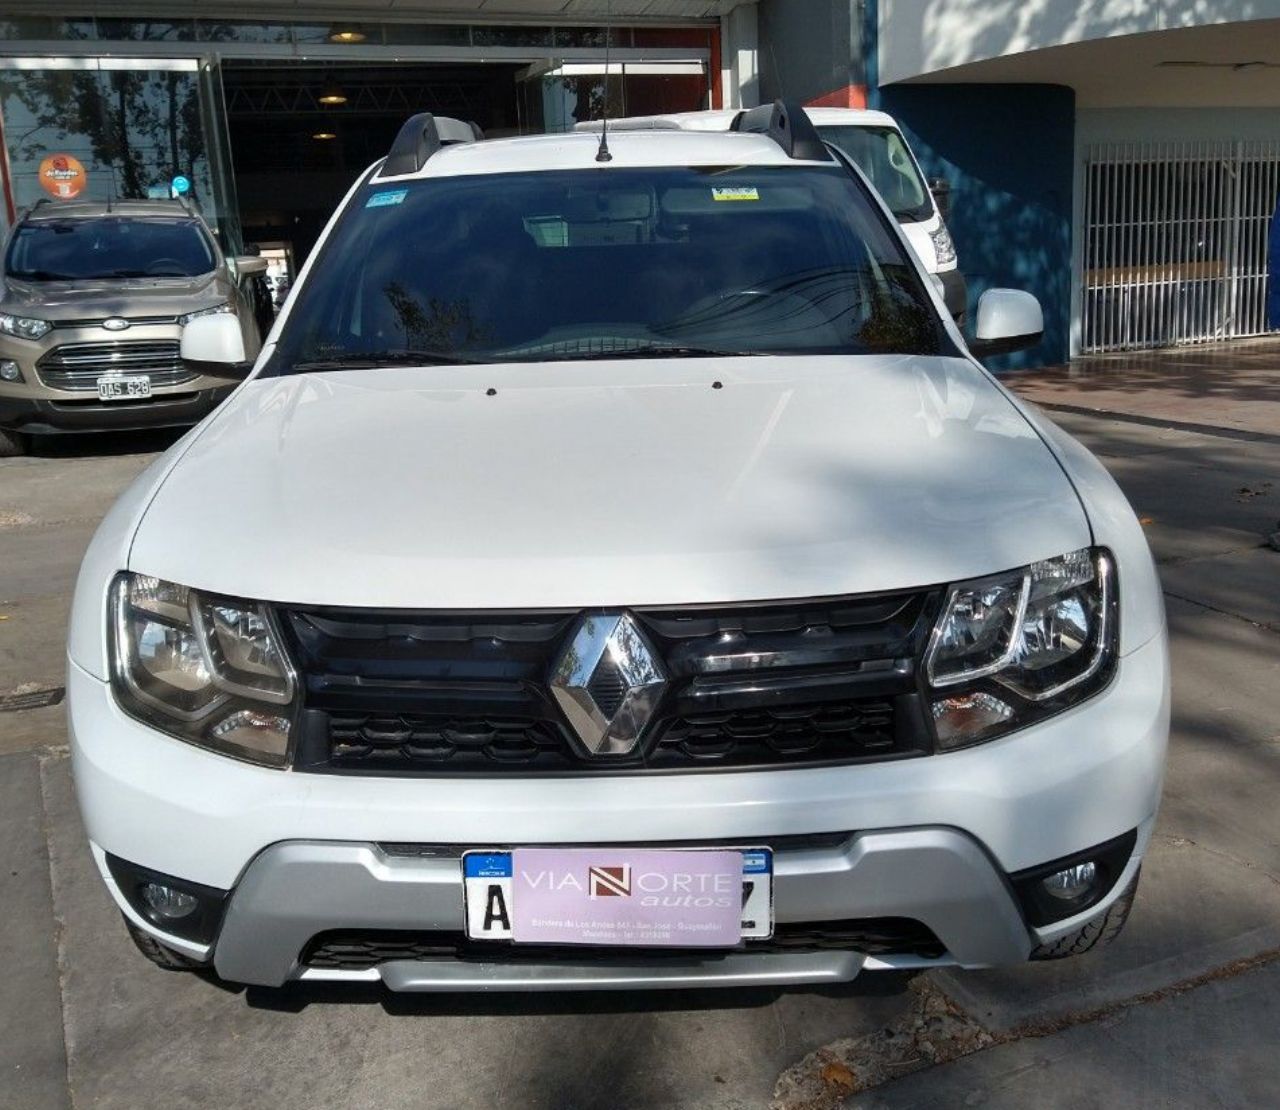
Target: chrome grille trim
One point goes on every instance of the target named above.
(77, 366)
(134, 321)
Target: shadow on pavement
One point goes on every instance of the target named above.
(103, 444)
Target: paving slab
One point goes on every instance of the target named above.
(33, 1062)
(140, 1036)
(1231, 385)
(1214, 1046)
(1244, 584)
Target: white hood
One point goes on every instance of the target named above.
(609, 483)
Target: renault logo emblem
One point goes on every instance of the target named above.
(608, 682)
(115, 323)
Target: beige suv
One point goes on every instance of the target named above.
(95, 297)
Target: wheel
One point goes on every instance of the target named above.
(158, 953)
(12, 444)
(1095, 932)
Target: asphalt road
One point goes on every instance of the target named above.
(1180, 1012)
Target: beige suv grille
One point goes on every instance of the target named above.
(79, 365)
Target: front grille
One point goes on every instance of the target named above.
(770, 685)
(80, 365)
(360, 949)
(134, 321)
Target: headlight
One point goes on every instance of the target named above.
(215, 310)
(207, 669)
(943, 248)
(24, 327)
(1014, 648)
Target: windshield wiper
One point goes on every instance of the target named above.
(372, 360)
(42, 275)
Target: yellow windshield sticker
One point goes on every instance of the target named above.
(736, 192)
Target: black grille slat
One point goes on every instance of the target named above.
(359, 950)
(777, 685)
(77, 366)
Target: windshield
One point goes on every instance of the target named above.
(109, 247)
(882, 154)
(608, 264)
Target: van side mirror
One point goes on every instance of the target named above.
(245, 265)
(215, 344)
(940, 187)
(1007, 320)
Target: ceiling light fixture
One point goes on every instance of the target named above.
(324, 134)
(346, 34)
(332, 94)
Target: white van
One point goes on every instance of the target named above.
(875, 143)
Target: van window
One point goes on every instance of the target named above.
(883, 155)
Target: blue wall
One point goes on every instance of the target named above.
(1008, 152)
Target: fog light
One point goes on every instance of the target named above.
(1072, 884)
(9, 371)
(165, 904)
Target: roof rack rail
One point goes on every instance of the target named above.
(420, 137)
(788, 125)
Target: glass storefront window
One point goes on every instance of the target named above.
(511, 36)
(426, 34)
(145, 30)
(107, 134)
(208, 30)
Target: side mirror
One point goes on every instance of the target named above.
(248, 264)
(940, 187)
(216, 344)
(1008, 320)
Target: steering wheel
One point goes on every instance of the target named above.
(166, 264)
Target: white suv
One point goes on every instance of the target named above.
(617, 572)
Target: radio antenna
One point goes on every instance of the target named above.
(602, 154)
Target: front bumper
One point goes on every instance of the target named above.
(930, 839)
(44, 416)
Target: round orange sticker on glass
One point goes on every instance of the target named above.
(62, 176)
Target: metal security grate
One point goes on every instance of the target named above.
(1175, 242)
(79, 365)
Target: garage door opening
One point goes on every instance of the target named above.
(301, 134)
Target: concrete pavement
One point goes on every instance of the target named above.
(1180, 1012)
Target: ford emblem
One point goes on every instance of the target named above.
(116, 323)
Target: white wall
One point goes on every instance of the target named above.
(922, 36)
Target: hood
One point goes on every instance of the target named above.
(98, 298)
(606, 484)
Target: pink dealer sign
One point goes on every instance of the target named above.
(627, 896)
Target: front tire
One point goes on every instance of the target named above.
(1094, 933)
(12, 444)
(157, 953)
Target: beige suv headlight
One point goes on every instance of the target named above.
(24, 327)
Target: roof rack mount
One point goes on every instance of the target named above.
(420, 137)
(788, 125)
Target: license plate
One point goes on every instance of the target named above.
(115, 388)
(621, 897)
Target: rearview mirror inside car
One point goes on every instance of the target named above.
(1008, 320)
(215, 342)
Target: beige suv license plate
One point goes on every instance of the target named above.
(123, 389)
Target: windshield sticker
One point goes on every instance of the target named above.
(736, 192)
(389, 196)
